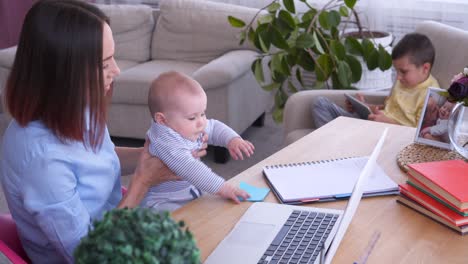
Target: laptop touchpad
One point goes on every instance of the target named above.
(247, 233)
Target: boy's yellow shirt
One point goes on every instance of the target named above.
(405, 104)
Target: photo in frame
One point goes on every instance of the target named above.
(433, 125)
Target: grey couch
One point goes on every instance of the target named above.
(190, 36)
(451, 57)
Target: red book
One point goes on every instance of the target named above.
(448, 179)
(418, 185)
(432, 205)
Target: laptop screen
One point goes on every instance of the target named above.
(355, 198)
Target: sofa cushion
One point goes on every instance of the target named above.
(196, 30)
(225, 69)
(126, 64)
(450, 44)
(132, 86)
(132, 27)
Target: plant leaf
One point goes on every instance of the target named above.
(334, 18)
(344, 11)
(265, 19)
(338, 49)
(317, 44)
(309, 15)
(273, 7)
(305, 61)
(350, 3)
(263, 46)
(289, 4)
(353, 46)
(270, 87)
(257, 69)
(279, 64)
(318, 85)
(285, 68)
(385, 59)
(277, 39)
(242, 38)
(236, 22)
(335, 33)
(251, 35)
(356, 68)
(344, 73)
(305, 41)
(324, 67)
(291, 87)
(299, 76)
(373, 60)
(287, 19)
(367, 48)
(277, 115)
(323, 20)
(280, 98)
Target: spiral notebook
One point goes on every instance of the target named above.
(325, 180)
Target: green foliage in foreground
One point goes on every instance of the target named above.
(137, 236)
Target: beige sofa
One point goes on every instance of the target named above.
(190, 36)
(451, 57)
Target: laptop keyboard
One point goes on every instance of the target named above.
(301, 238)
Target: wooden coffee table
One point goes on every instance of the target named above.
(406, 236)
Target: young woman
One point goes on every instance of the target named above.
(60, 170)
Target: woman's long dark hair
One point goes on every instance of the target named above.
(57, 74)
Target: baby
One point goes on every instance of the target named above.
(439, 131)
(177, 104)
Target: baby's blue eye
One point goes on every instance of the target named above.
(105, 66)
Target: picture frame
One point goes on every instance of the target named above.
(433, 125)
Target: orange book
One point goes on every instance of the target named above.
(448, 178)
(421, 209)
(432, 205)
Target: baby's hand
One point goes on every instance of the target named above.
(231, 192)
(237, 145)
(425, 131)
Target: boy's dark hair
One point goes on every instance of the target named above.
(417, 47)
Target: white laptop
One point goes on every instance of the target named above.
(280, 233)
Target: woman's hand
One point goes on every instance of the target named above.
(149, 171)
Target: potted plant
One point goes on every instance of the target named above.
(314, 41)
(137, 236)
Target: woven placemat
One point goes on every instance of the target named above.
(416, 153)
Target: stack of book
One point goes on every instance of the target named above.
(438, 190)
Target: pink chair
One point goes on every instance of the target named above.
(10, 244)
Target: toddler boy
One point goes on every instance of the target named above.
(412, 58)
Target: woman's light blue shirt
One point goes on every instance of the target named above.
(55, 190)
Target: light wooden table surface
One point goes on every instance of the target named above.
(406, 236)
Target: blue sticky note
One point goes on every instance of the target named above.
(257, 194)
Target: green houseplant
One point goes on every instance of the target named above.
(137, 236)
(291, 43)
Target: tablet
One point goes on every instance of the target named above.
(359, 107)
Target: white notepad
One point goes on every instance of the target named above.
(325, 180)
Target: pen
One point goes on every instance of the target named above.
(368, 250)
